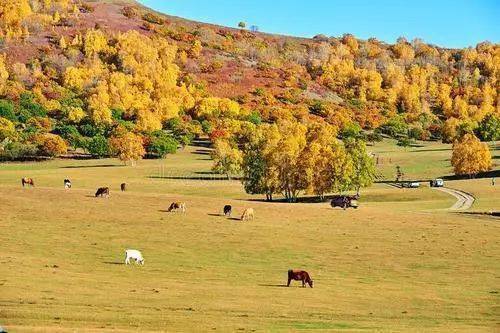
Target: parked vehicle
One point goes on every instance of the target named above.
(345, 201)
(411, 185)
(438, 182)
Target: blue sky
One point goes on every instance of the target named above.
(447, 23)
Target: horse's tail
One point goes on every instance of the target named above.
(22, 181)
(290, 272)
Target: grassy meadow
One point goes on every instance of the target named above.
(399, 263)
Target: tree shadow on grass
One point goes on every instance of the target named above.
(92, 166)
(213, 214)
(430, 150)
(113, 263)
(201, 152)
(234, 219)
(199, 178)
(488, 174)
(273, 285)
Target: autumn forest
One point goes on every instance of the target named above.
(289, 114)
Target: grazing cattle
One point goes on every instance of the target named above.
(102, 191)
(227, 210)
(67, 184)
(299, 275)
(28, 181)
(134, 254)
(176, 206)
(248, 214)
(345, 201)
(123, 187)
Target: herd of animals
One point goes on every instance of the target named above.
(343, 201)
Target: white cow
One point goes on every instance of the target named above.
(134, 254)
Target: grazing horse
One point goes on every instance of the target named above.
(298, 275)
(248, 214)
(102, 191)
(28, 181)
(123, 187)
(176, 206)
(227, 210)
(67, 183)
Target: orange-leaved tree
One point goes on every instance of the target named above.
(470, 156)
(127, 146)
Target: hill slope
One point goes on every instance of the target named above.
(62, 50)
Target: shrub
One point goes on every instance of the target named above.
(374, 137)
(17, 151)
(70, 134)
(29, 108)
(488, 130)
(405, 142)
(90, 130)
(86, 8)
(130, 11)
(7, 129)
(206, 126)
(97, 146)
(7, 110)
(351, 130)
(51, 145)
(394, 127)
(153, 18)
(160, 143)
(254, 118)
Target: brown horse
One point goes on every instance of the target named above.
(298, 275)
(28, 181)
(102, 191)
(123, 187)
(175, 206)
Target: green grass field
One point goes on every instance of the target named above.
(399, 263)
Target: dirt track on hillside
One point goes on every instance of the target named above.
(464, 200)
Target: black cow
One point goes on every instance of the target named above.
(227, 210)
(344, 201)
(102, 191)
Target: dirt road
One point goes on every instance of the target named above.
(464, 200)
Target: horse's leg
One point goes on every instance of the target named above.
(289, 280)
(303, 283)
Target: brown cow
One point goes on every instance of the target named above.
(123, 187)
(298, 275)
(28, 181)
(102, 191)
(175, 206)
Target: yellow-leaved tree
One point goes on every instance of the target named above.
(227, 158)
(12, 15)
(470, 156)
